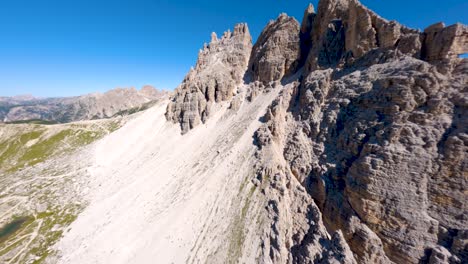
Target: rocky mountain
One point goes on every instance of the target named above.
(217, 73)
(366, 142)
(68, 109)
(342, 138)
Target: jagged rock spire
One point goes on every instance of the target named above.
(307, 19)
(214, 37)
(277, 50)
(343, 31)
(340, 33)
(445, 42)
(219, 69)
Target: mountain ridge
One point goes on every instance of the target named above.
(339, 139)
(362, 84)
(84, 107)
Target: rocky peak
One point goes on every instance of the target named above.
(442, 43)
(277, 51)
(370, 132)
(228, 48)
(214, 37)
(340, 34)
(308, 19)
(150, 91)
(219, 69)
(344, 31)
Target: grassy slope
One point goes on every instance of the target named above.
(33, 144)
(26, 235)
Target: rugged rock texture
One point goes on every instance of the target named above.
(86, 107)
(276, 52)
(342, 139)
(445, 42)
(219, 70)
(362, 157)
(377, 137)
(340, 34)
(344, 30)
(382, 152)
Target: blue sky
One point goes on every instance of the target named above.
(64, 48)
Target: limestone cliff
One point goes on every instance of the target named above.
(362, 155)
(339, 139)
(375, 131)
(219, 70)
(276, 52)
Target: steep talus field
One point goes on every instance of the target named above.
(342, 138)
(170, 197)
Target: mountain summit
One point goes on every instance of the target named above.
(342, 138)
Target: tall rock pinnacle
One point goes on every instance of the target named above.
(219, 69)
(277, 50)
(308, 19)
(341, 33)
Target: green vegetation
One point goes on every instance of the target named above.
(49, 236)
(113, 126)
(13, 147)
(12, 246)
(33, 121)
(49, 226)
(23, 146)
(42, 150)
(16, 154)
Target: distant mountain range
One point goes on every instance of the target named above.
(26, 108)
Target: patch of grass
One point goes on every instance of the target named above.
(113, 126)
(33, 121)
(12, 246)
(83, 138)
(49, 236)
(243, 184)
(41, 150)
(64, 141)
(14, 147)
(54, 221)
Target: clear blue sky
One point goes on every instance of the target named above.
(63, 48)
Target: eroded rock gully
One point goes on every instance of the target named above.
(362, 156)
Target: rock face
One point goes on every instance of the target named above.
(362, 157)
(370, 147)
(277, 51)
(342, 139)
(376, 135)
(86, 107)
(445, 42)
(343, 31)
(219, 70)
